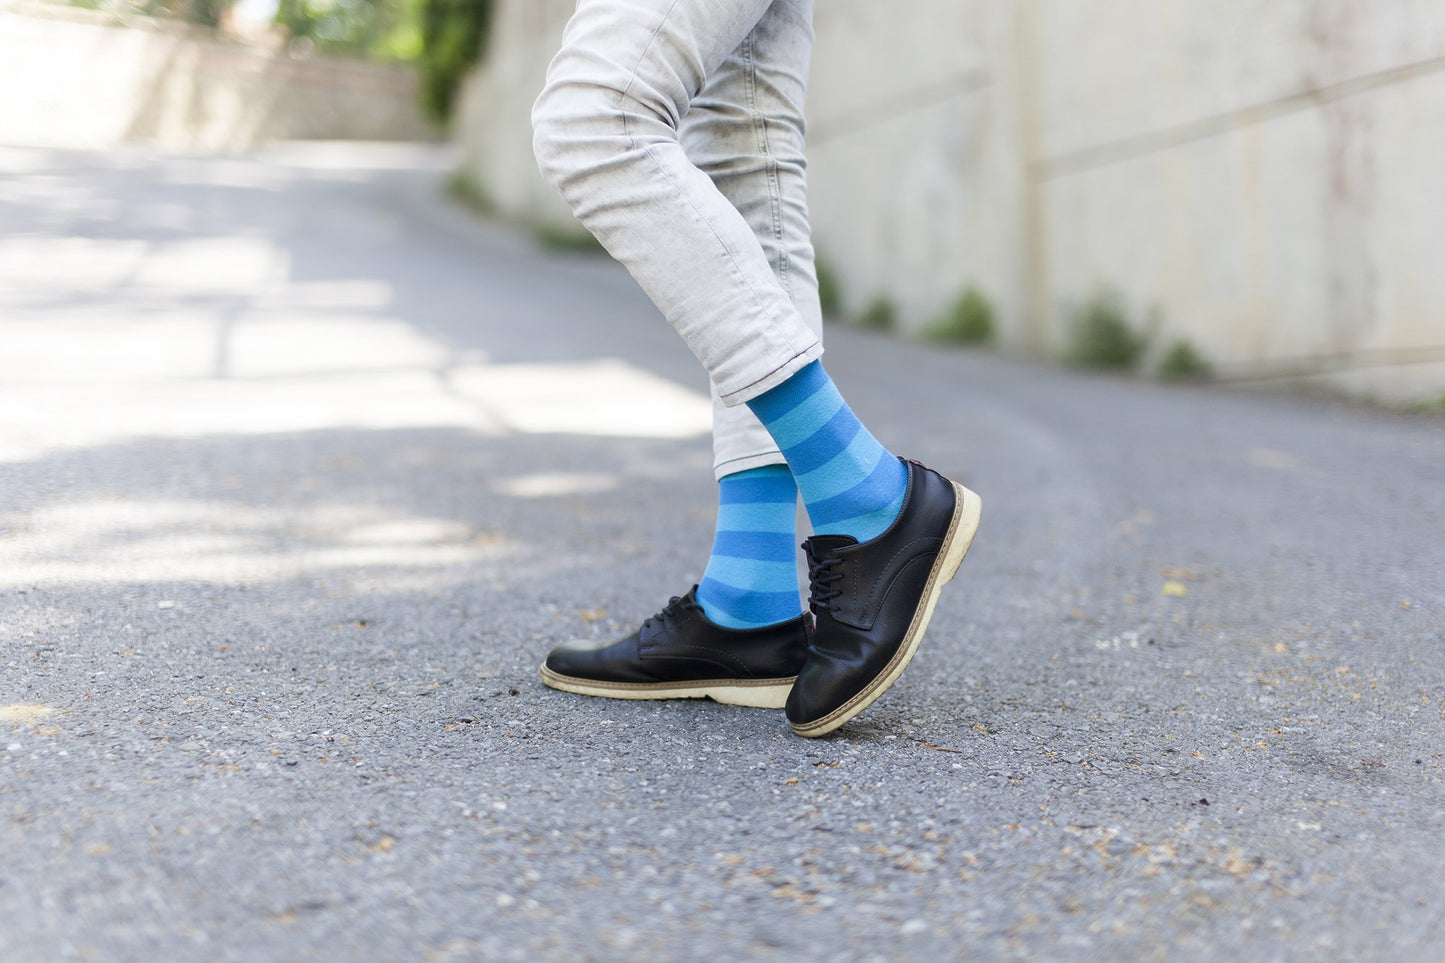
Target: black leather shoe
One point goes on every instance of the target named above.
(682, 654)
(872, 601)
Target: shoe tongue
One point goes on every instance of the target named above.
(824, 545)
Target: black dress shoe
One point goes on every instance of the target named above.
(872, 601)
(682, 654)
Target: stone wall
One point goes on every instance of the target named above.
(76, 79)
(1260, 179)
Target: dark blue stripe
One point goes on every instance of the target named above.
(776, 402)
(761, 608)
(823, 445)
(876, 491)
(776, 486)
(758, 546)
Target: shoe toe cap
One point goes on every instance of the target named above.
(818, 691)
(580, 657)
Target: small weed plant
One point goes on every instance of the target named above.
(465, 191)
(1102, 337)
(1183, 363)
(880, 315)
(577, 240)
(968, 321)
(1436, 407)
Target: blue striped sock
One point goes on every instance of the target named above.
(850, 484)
(752, 574)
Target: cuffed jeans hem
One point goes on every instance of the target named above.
(775, 377)
(747, 462)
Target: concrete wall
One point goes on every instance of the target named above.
(493, 122)
(1268, 178)
(1262, 178)
(75, 79)
(916, 172)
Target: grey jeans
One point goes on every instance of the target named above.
(674, 129)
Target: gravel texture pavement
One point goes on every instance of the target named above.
(303, 469)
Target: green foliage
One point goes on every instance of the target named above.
(444, 37)
(380, 29)
(454, 36)
(1436, 407)
(466, 191)
(880, 315)
(205, 13)
(1184, 363)
(1102, 337)
(830, 291)
(560, 239)
(402, 39)
(968, 321)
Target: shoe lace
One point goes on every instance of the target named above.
(674, 609)
(822, 573)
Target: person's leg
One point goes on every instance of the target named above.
(752, 573)
(851, 485)
(897, 532)
(607, 136)
(745, 131)
(702, 234)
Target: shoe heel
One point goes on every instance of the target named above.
(969, 512)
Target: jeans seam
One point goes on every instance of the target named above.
(770, 163)
(732, 260)
(623, 94)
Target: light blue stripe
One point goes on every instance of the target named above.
(762, 546)
(750, 574)
(863, 527)
(825, 443)
(885, 485)
(804, 420)
(778, 401)
(762, 608)
(851, 466)
(762, 517)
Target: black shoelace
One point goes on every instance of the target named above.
(821, 576)
(673, 610)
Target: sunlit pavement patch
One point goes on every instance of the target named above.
(607, 398)
(112, 541)
(110, 341)
(555, 484)
(24, 714)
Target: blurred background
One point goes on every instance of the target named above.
(1249, 190)
(304, 466)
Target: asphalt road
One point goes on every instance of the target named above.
(302, 471)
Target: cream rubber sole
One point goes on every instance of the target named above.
(757, 694)
(967, 509)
